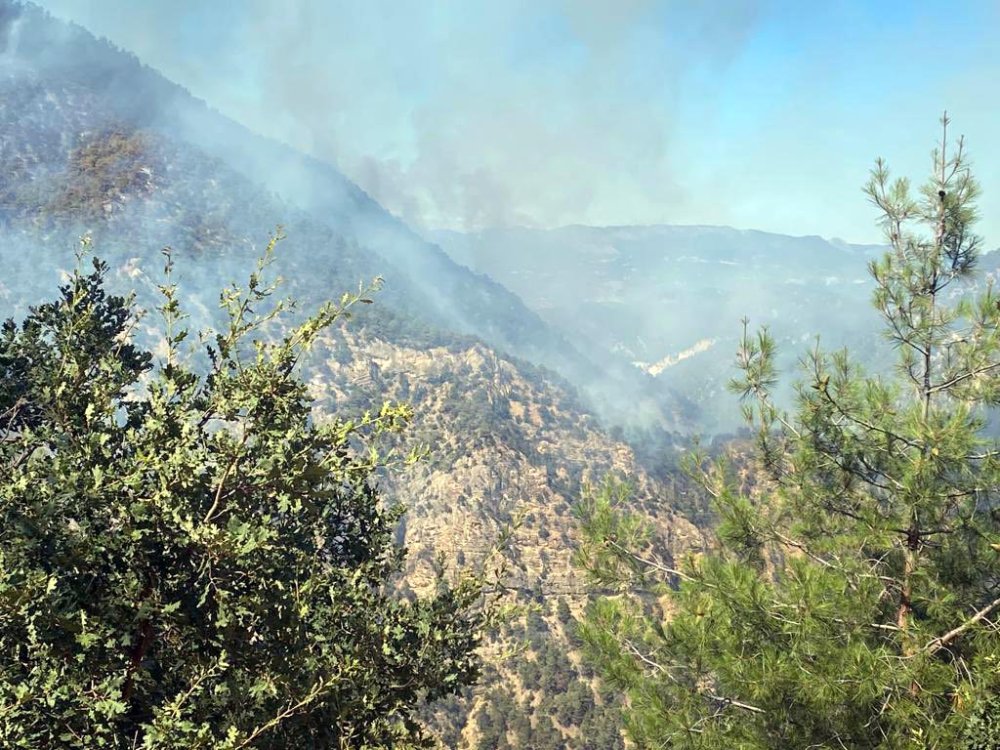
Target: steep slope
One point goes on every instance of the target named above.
(91, 141)
(112, 88)
(506, 440)
(505, 444)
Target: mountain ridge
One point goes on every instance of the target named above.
(135, 94)
(648, 294)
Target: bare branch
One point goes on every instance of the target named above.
(942, 641)
(964, 376)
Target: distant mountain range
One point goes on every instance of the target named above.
(670, 299)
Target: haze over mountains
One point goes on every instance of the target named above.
(670, 299)
(106, 87)
(633, 317)
(93, 142)
(520, 349)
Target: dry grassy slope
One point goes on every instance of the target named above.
(503, 441)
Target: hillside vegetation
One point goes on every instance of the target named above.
(106, 147)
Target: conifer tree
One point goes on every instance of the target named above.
(852, 596)
(188, 559)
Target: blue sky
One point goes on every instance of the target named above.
(470, 114)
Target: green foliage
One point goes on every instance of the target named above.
(982, 731)
(849, 599)
(187, 558)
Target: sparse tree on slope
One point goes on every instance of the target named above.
(190, 561)
(853, 597)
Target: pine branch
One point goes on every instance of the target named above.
(654, 564)
(637, 653)
(825, 391)
(940, 642)
(736, 703)
(964, 376)
(982, 457)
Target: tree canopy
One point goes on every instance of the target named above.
(190, 559)
(849, 597)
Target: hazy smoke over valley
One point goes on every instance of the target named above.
(96, 143)
(566, 118)
(475, 118)
(475, 115)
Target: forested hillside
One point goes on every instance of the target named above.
(93, 143)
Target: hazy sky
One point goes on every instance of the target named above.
(478, 113)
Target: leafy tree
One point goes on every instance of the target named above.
(187, 558)
(982, 731)
(849, 600)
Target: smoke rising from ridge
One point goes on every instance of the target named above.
(763, 114)
(458, 115)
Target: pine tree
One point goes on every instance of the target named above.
(188, 559)
(849, 600)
